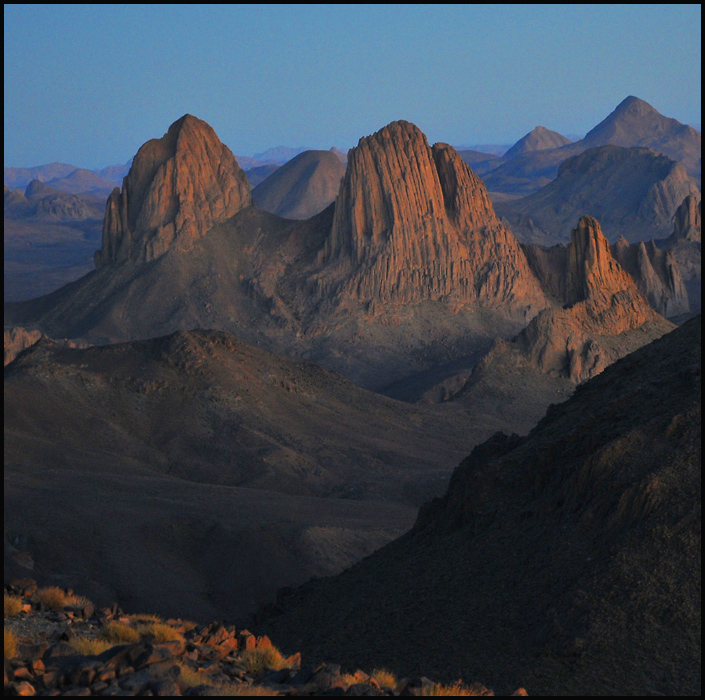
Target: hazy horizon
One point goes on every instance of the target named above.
(88, 85)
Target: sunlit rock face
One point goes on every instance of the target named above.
(179, 186)
(414, 223)
(605, 316)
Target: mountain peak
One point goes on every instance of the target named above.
(179, 186)
(538, 139)
(413, 222)
(634, 106)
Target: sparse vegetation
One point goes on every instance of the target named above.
(385, 678)
(146, 617)
(161, 631)
(455, 690)
(10, 644)
(78, 601)
(90, 647)
(13, 605)
(257, 660)
(191, 677)
(118, 633)
(51, 597)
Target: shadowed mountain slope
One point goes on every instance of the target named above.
(633, 192)
(684, 244)
(301, 188)
(569, 559)
(260, 173)
(179, 449)
(657, 275)
(209, 408)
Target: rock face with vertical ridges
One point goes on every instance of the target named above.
(410, 269)
(414, 223)
(684, 244)
(688, 220)
(179, 186)
(592, 271)
(604, 316)
(656, 274)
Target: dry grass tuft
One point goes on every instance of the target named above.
(455, 690)
(385, 678)
(258, 660)
(10, 644)
(144, 617)
(161, 631)
(78, 601)
(117, 633)
(90, 647)
(189, 625)
(51, 597)
(13, 605)
(192, 677)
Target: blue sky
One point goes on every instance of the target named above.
(88, 84)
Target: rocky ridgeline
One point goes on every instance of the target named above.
(18, 339)
(48, 645)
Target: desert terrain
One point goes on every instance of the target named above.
(226, 378)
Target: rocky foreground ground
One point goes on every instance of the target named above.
(58, 643)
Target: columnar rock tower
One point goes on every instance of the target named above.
(604, 318)
(413, 223)
(593, 274)
(179, 186)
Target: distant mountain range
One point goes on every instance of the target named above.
(634, 123)
(69, 178)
